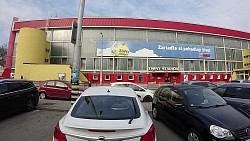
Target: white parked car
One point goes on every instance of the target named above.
(106, 113)
(144, 94)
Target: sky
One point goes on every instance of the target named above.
(231, 14)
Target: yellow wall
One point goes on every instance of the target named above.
(30, 49)
(246, 60)
(40, 72)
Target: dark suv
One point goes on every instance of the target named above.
(199, 113)
(237, 95)
(17, 95)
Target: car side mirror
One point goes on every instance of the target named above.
(139, 96)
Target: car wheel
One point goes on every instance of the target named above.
(30, 104)
(193, 135)
(155, 113)
(42, 95)
(148, 98)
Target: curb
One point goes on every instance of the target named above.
(50, 109)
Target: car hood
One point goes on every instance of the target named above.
(223, 116)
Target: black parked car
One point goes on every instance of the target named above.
(237, 95)
(199, 113)
(16, 95)
(201, 83)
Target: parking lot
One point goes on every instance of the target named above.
(39, 124)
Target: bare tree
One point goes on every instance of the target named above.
(3, 53)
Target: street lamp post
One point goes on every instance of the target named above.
(101, 59)
(75, 72)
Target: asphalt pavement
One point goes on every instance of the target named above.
(64, 105)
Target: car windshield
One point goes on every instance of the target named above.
(106, 107)
(203, 97)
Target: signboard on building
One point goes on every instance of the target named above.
(145, 49)
(163, 69)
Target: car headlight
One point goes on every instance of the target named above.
(220, 133)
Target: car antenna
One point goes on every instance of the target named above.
(108, 90)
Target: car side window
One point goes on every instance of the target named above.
(238, 92)
(26, 85)
(135, 88)
(245, 94)
(175, 97)
(61, 85)
(220, 91)
(165, 94)
(3, 88)
(232, 92)
(50, 84)
(14, 86)
(157, 92)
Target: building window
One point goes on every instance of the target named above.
(83, 66)
(141, 79)
(107, 77)
(191, 65)
(119, 77)
(194, 77)
(131, 77)
(95, 77)
(130, 64)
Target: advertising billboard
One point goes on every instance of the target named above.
(146, 49)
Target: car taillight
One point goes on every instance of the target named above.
(150, 135)
(58, 135)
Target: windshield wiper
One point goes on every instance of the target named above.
(218, 105)
(133, 117)
(199, 106)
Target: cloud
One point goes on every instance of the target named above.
(140, 53)
(31, 10)
(143, 53)
(10, 9)
(219, 13)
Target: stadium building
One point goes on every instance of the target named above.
(142, 50)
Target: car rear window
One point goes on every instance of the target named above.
(106, 107)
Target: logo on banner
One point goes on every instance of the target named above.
(119, 49)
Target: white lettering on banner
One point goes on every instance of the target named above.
(193, 49)
(163, 69)
(167, 47)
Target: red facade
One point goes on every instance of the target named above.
(157, 78)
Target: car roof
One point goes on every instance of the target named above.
(247, 85)
(196, 82)
(14, 80)
(185, 86)
(109, 90)
(122, 83)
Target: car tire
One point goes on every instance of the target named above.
(42, 95)
(30, 104)
(147, 98)
(155, 113)
(193, 135)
